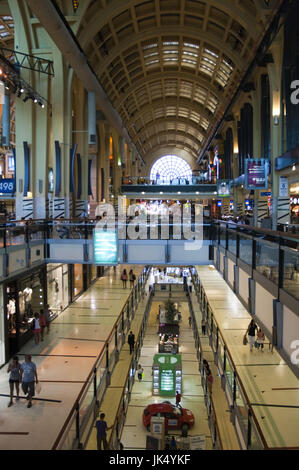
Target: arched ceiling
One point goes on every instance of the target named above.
(170, 67)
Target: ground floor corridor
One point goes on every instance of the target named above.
(134, 432)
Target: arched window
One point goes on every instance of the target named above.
(169, 168)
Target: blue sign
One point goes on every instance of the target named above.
(7, 185)
(105, 247)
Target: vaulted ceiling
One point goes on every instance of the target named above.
(170, 67)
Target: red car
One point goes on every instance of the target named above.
(175, 416)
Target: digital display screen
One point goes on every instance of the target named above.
(105, 247)
(167, 376)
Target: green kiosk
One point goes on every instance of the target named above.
(167, 374)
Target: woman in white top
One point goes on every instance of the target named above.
(36, 328)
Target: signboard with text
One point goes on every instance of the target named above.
(256, 173)
(105, 247)
(7, 186)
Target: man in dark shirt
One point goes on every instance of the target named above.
(131, 341)
(102, 427)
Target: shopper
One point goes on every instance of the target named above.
(251, 333)
(42, 322)
(190, 321)
(131, 341)
(178, 398)
(132, 278)
(206, 366)
(124, 278)
(260, 339)
(210, 380)
(203, 326)
(28, 374)
(172, 444)
(139, 372)
(48, 317)
(102, 427)
(36, 328)
(14, 368)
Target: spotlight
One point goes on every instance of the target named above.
(26, 99)
(35, 100)
(22, 90)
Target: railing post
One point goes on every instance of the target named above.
(249, 430)
(234, 389)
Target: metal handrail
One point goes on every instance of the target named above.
(238, 377)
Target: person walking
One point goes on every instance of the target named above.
(48, 318)
(210, 380)
(206, 366)
(102, 427)
(36, 328)
(260, 339)
(132, 278)
(131, 341)
(203, 326)
(190, 321)
(42, 322)
(251, 333)
(139, 372)
(178, 398)
(172, 444)
(124, 278)
(14, 368)
(28, 374)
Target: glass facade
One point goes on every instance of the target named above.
(2, 329)
(57, 287)
(22, 299)
(170, 167)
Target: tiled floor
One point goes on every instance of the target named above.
(64, 361)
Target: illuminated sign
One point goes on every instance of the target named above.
(223, 187)
(256, 173)
(105, 247)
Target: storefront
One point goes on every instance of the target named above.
(22, 299)
(169, 338)
(58, 287)
(2, 329)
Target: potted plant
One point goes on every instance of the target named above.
(170, 311)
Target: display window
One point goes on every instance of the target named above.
(23, 298)
(77, 279)
(2, 329)
(57, 286)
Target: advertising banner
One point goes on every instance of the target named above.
(256, 173)
(223, 188)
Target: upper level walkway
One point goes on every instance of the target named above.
(72, 362)
(262, 391)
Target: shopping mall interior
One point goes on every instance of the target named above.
(149, 225)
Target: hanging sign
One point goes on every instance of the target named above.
(7, 185)
(256, 173)
(223, 188)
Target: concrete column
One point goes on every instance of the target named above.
(274, 71)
